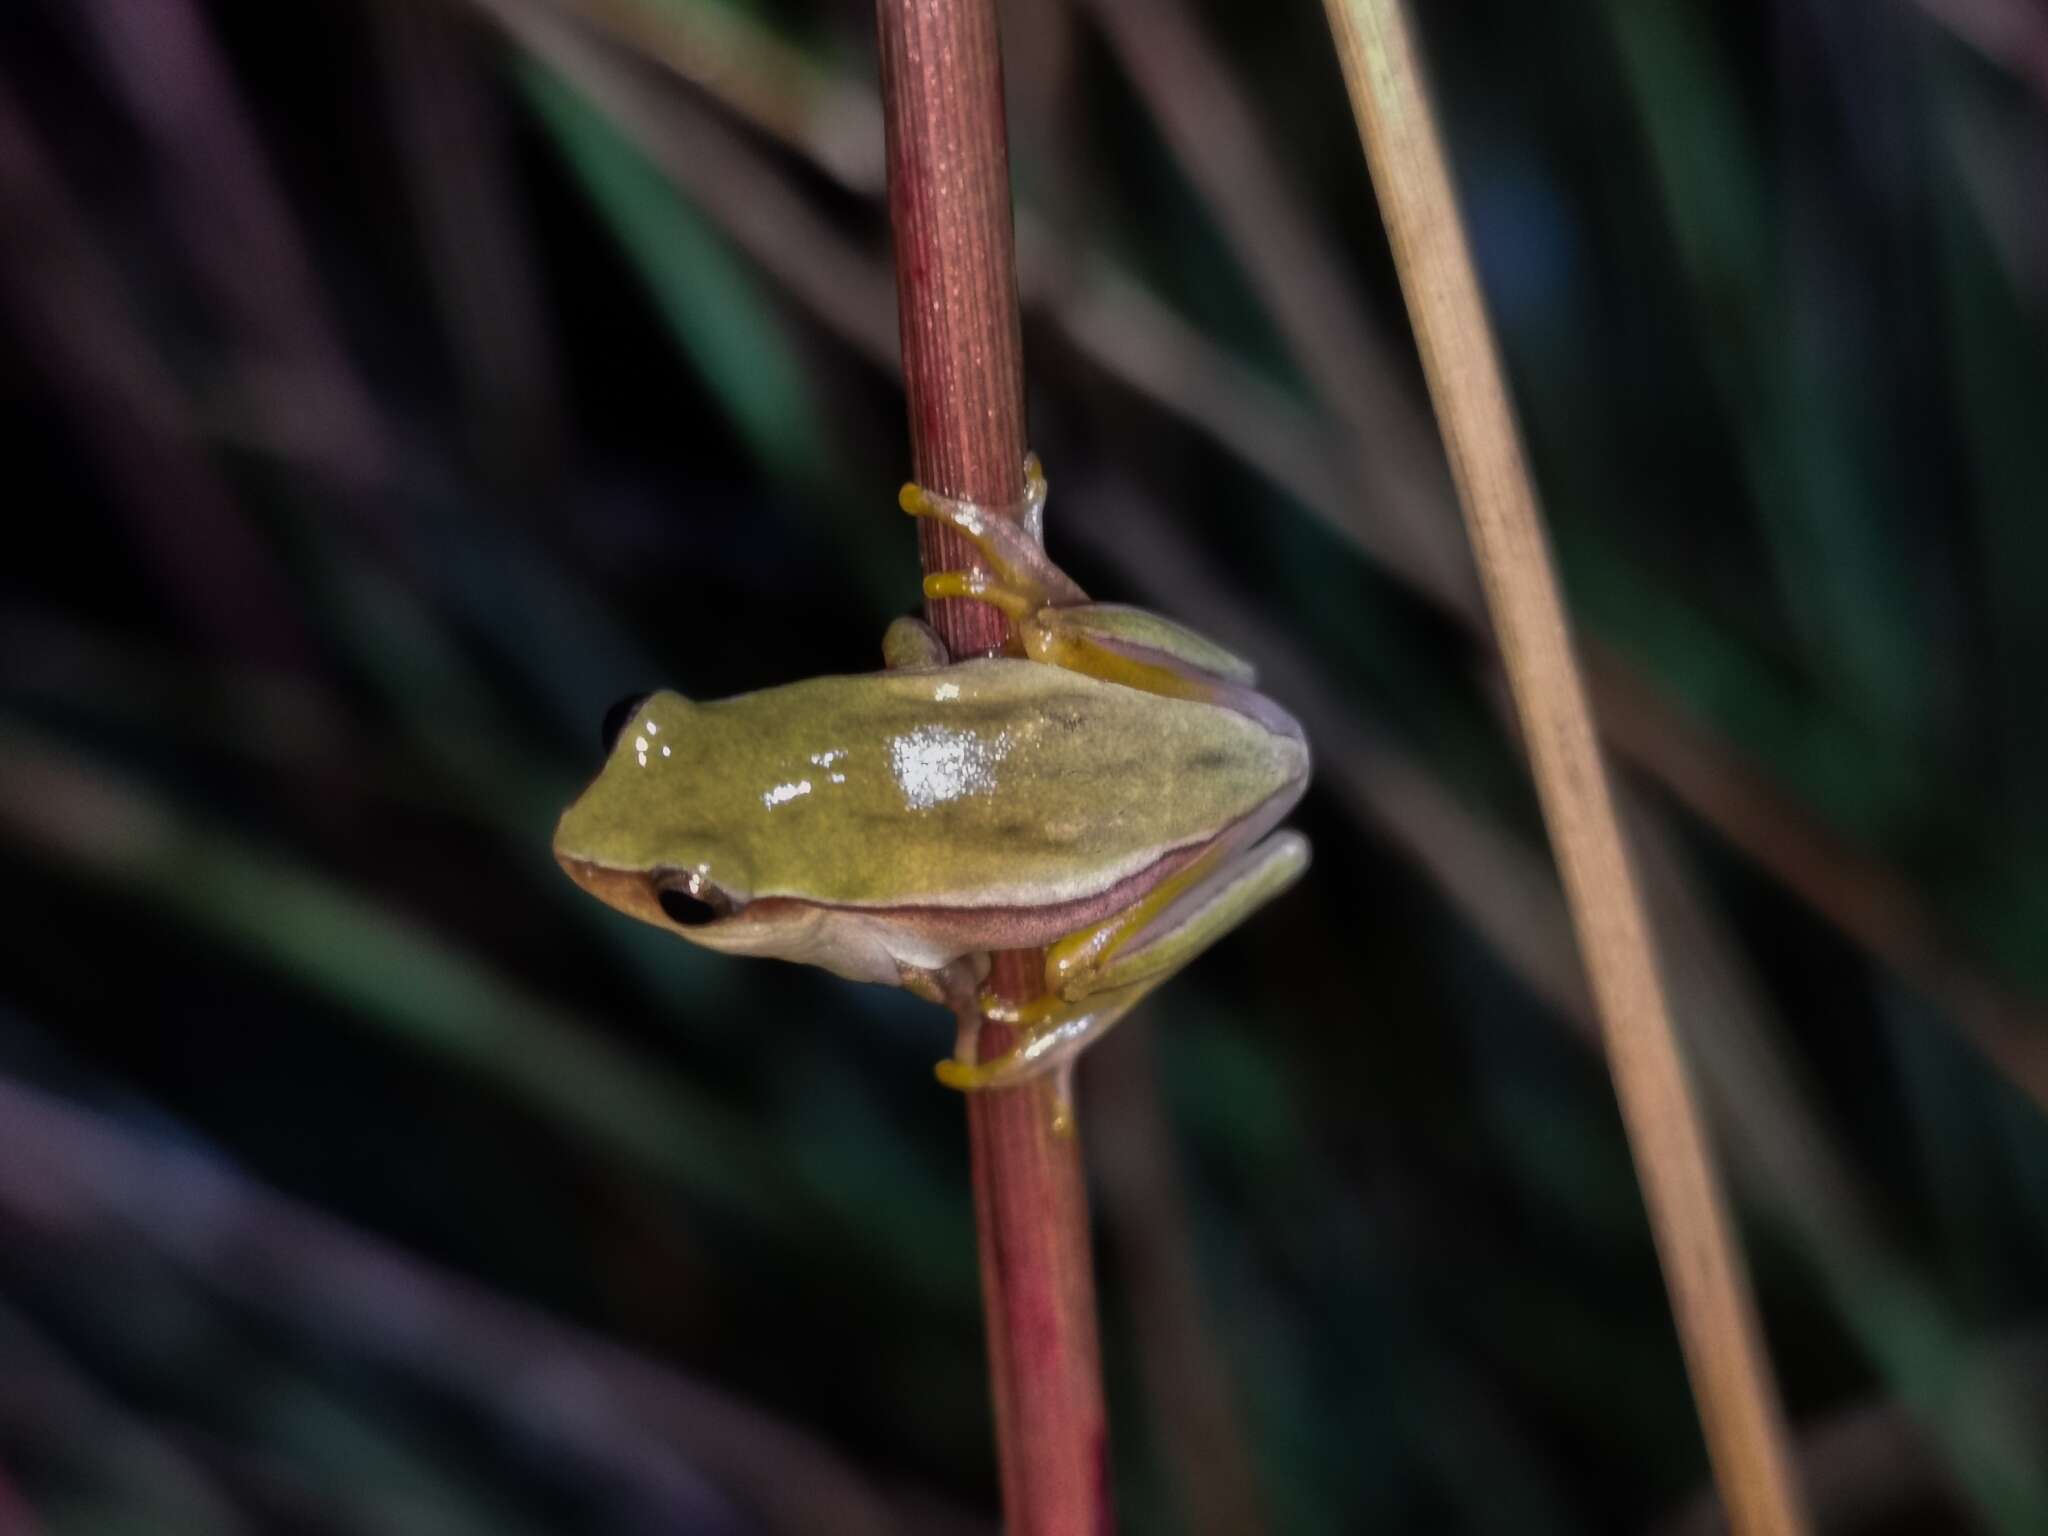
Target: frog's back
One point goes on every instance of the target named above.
(981, 784)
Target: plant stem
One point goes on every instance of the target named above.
(1702, 1259)
(949, 204)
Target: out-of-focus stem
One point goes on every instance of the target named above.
(78, 1184)
(956, 282)
(64, 292)
(478, 242)
(237, 230)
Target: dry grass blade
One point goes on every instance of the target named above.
(1702, 1262)
(1871, 1466)
(1219, 143)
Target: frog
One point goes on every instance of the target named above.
(1106, 787)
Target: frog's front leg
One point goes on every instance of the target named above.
(1020, 579)
(955, 986)
(1057, 624)
(1099, 974)
(911, 645)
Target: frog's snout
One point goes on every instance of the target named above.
(627, 890)
(664, 898)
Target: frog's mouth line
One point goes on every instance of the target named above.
(668, 898)
(631, 891)
(956, 930)
(638, 893)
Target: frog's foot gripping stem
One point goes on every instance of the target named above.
(1019, 578)
(1099, 974)
(1042, 1048)
(1055, 623)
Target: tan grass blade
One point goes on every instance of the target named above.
(1703, 1265)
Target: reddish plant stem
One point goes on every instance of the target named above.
(949, 203)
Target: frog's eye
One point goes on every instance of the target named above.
(694, 902)
(618, 717)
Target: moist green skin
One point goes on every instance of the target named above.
(983, 784)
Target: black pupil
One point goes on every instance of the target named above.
(618, 717)
(686, 910)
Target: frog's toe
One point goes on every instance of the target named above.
(966, 1076)
(963, 1072)
(1012, 1066)
(980, 587)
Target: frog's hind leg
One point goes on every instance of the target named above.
(1056, 623)
(1179, 917)
(1100, 973)
(1139, 636)
(1140, 649)
(1020, 579)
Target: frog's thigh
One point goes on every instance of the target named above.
(1175, 921)
(1132, 954)
(1136, 649)
(1114, 965)
(1020, 577)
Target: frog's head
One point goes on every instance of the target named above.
(662, 834)
(644, 836)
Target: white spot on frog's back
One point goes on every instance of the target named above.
(782, 794)
(934, 764)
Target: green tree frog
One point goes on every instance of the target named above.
(1106, 792)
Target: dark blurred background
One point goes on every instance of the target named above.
(389, 385)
